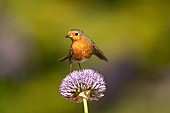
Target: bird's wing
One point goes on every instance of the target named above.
(68, 57)
(98, 52)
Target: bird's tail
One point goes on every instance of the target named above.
(100, 54)
(63, 59)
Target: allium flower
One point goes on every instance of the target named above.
(84, 83)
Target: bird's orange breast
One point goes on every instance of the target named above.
(82, 49)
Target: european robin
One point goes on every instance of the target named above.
(82, 48)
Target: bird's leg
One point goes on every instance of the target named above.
(71, 68)
(71, 64)
(79, 65)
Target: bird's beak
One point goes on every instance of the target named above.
(67, 36)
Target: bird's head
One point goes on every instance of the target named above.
(75, 34)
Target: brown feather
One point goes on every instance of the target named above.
(99, 53)
(66, 58)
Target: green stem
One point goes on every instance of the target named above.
(85, 105)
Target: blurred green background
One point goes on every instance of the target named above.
(133, 34)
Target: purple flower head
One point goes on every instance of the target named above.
(86, 81)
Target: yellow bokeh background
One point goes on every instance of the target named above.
(134, 35)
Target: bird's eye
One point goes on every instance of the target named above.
(76, 34)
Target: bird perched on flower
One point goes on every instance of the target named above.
(82, 48)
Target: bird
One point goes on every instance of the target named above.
(82, 48)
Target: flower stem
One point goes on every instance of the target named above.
(85, 105)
